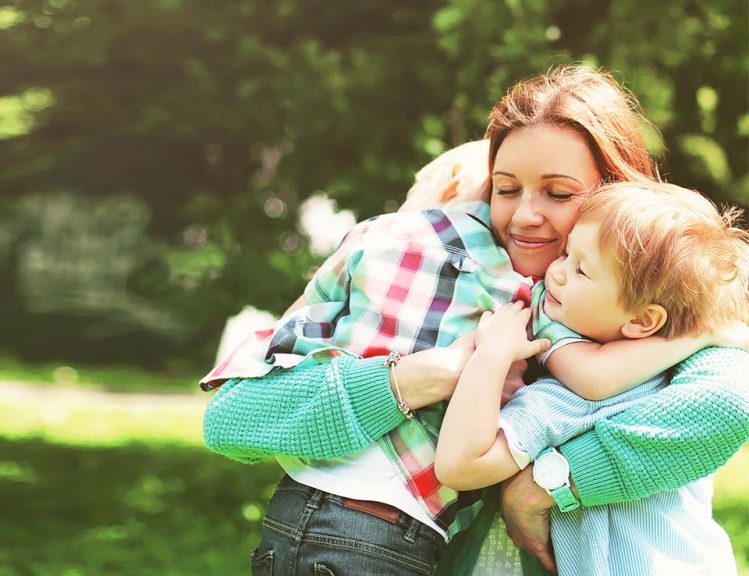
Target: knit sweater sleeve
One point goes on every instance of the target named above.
(681, 434)
(322, 411)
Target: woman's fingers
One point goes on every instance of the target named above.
(525, 508)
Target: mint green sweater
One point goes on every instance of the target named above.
(679, 435)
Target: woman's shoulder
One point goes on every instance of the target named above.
(721, 366)
(724, 357)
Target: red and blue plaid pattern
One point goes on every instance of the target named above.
(407, 282)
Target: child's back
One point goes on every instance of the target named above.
(401, 282)
(405, 282)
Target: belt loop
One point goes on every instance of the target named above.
(413, 528)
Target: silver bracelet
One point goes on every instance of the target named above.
(403, 406)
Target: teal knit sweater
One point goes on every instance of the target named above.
(679, 435)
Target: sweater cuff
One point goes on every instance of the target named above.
(368, 387)
(593, 473)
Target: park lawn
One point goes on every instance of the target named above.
(130, 510)
(117, 378)
(90, 488)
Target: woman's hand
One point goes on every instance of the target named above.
(430, 376)
(525, 509)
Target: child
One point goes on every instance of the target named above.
(642, 260)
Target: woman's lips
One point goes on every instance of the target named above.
(531, 242)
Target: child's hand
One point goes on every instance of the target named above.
(735, 335)
(506, 329)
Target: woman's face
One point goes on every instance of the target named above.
(540, 175)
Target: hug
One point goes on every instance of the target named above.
(393, 390)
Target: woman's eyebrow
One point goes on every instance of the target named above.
(551, 176)
(543, 177)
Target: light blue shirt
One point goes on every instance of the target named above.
(671, 533)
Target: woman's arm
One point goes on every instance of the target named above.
(695, 425)
(675, 437)
(327, 410)
(311, 411)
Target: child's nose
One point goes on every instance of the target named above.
(556, 270)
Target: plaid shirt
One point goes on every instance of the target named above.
(407, 282)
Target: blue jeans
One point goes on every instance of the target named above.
(310, 532)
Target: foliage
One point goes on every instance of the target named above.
(217, 122)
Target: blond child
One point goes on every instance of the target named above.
(649, 271)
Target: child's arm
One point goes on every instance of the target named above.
(471, 453)
(597, 371)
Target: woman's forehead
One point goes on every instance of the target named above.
(544, 150)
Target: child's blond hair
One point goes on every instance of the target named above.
(672, 246)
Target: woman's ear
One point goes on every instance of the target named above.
(646, 323)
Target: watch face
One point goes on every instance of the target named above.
(551, 471)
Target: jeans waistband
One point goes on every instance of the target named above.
(380, 510)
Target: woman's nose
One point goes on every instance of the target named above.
(526, 213)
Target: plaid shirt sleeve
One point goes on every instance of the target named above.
(331, 281)
(311, 329)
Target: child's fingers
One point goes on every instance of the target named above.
(512, 307)
(485, 317)
(541, 345)
(517, 306)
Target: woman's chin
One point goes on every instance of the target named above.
(534, 266)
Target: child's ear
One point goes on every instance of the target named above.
(646, 323)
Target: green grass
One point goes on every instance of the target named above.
(731, 505)
(131, 510)
(61, 415)
(94, 484)
(118, 378)
(166, 511)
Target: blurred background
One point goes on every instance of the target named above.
(165, 164)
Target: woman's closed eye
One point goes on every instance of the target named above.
(561, 196)
(507, 190)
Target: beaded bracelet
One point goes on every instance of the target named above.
(390, 363)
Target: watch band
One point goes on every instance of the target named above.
(565, 498)
(563, 495)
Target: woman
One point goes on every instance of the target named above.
(551, 140)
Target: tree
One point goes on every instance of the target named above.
(221, 119)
